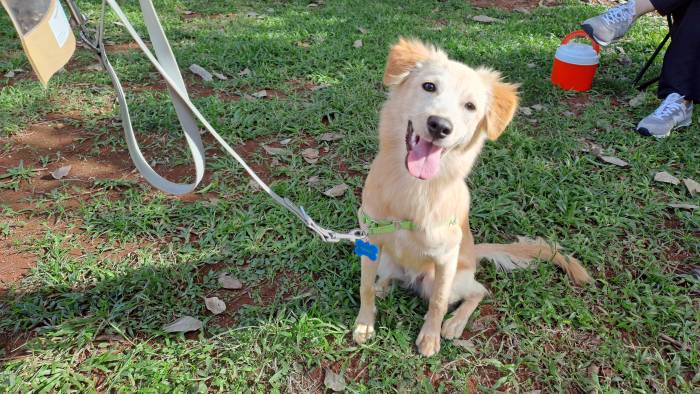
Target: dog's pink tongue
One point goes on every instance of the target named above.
(423, 160)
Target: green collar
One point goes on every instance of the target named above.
(375, 227)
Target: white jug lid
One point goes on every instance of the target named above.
(575, 53)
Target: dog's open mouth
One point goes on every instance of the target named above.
(423, 157)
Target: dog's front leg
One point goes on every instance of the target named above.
(428, 340)
(364, 324)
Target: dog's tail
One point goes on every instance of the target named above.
(508, 257)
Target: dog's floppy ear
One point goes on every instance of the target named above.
(404, 56)
(502, 104)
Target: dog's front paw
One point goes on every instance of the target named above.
(453, 327)
(428, 341)
(362, 333)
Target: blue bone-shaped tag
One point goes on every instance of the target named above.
(368, 249)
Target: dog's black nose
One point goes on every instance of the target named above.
(439, 127)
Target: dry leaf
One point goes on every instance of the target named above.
(334, 381)
(260, 94)
(537, 107)
(319, 87)
(246, 72)
(357, 44)
(692, 186)
(522, 10)
(229, 282)
(62, 172)
(310, 155)
(362, 30)
(330, 137)
(614, 160)
(526, 111)
(603, 124)
(592, 147)
(285, 141)
(201, 72)
(465, 344)
(683, 206)
(188, 12)
(483, 323)
(485, 19)
(638, 100)
(95, 67)
(220, 75)
(183, 324)
(254, 185)
(314, 181)
(274, 151)
(665, 177)
(337, 190)
(215, 305)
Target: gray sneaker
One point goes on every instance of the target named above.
(671, 114)
(610, 25)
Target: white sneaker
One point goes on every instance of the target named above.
(671, 114)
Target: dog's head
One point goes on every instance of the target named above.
(443, 106)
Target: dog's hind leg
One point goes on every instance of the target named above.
(470, 292)
(387, 272)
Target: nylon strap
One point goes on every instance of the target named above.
(188, 115)
(374, 226)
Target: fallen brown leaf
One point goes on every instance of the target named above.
(215, 305)
(310, 155)
(219, 75)
(665, 177)
(62, 172)
(614, 160)
(692, 186)
(271, 150)
(683, 206)
(337, 190)
(485, 19)
(314, 181)
(201, 72)
(229, 282)
(183, 324)
(334, 381)
(638, 100)
(330, 137)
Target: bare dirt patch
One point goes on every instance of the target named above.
(13, 345)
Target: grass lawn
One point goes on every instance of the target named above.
(94, 265)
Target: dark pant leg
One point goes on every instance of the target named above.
(681, 67)
(666, 7)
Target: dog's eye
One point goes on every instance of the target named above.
(470, 106)
(429, 87)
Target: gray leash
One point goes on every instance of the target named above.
(188, 115)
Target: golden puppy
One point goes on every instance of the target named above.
(432, 128)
